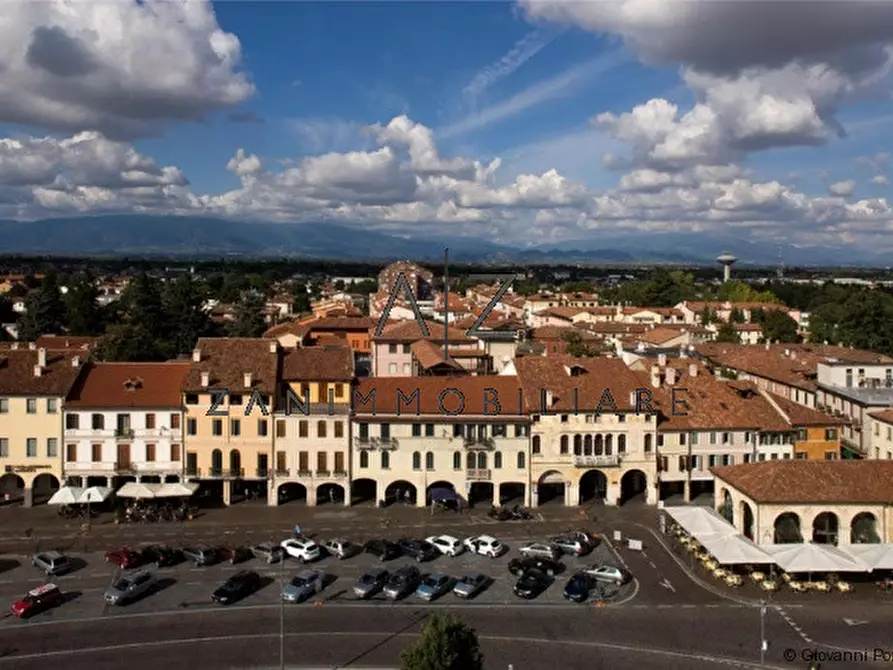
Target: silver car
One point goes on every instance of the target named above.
(269, 552)
(308, 583)
(129, 587)
(541, 550)
(52, 562)
(371, 583)
(470, 585)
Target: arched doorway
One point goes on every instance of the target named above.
(747, 520)
(511, 493)
(438, 485)
(400, 491)
(44, 486)
(824, 528)
(11, 485)
(863, 529)
(329, 493)
(363, 491)
(633, 485)
(726, 507)
(787, 529)
(480, 493)
(550, 488)
(292, 492)
(593, 486)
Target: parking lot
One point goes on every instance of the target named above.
(186, 586)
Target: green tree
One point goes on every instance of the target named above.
(144, 331)
(727, 333)
(84, 314)
(736, 316)
(445, 643)
(45, 312)
(144, 306)
(708, 316)
(184, 304)
(576, 346)
(249, 321)
(131, 343)
(7, 315)
(779, 327)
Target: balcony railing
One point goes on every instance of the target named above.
(262, 473)
(193, 472)
(323, 474)
(234, 473)
(305, 474)
(339, 474)
(477, 475)
(851, 444)
(216, 473)
(283, 472)
(124, 433)
(597, 461)
(479, 443)
(388, 443)
(365, 442)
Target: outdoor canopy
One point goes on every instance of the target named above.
(67, 495)
(95, 494)
(135, 490)
(877, 556)
(810, 557)
(734, 550)
(700, 522)
(177, 490)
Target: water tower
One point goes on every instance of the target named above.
(727, 260)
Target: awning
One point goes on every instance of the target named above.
(177, 490)
(810, 557)
(135, 490)
(877, 556)
(95, 494)
(734, 550)
(67, 495)
(700, 521)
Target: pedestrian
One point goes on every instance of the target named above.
(298, 532)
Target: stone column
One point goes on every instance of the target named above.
(496, 500)
(227, 492)
(272, 493)
(28, 494)
(311, 494)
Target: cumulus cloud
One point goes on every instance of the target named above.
(842, 188)
(121, 68)
(879, 180)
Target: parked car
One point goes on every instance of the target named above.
(302, 549)
(384, 550)
(609, 573)
(371, 583)
(402, 582)
(124, 558)
(517, 566)
(307, 583)
(162, 557)
(129, 587)
(420, 550)
(470, 585)
(579, 587)
(269, 552)
(447, 544)
(485, 545)
(37, 600)
(52, 562)
(530, 584)
(234, 555)
(583, 536)
(240, 585)
(342, 549)
(201, 555)
(571, 545)
(540, 550)
(433, 586)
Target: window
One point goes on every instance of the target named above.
(321, 429)
(726, 438)
(31, 405)
(175, 453)
(235, 427)
(97, 421)
(648, 444)
(457, 430)
(192, 399)
(521, 430)
(150, 421)
(303, 461)
(150, 453)
(681, 439)
(416, 430)
(339, 428)
(175, 421)
(71, 453)
(801, 456)
(748, 436)
(660, 440)
(457, 460)
(72, 421)
(364, 459)
(303, 428)
(4, 447)
(712, 438)
(385, 431)
(31, 447)
(407, 368)
(322, 461)
(522, 460)
(497, 460)
(392, 368)
(217, 427)
(386, 460)
(429, 430)
(52, 447)
(563, 444)
(830, 433)
(830, 455)
(191, 427)
(96, 452)
(429, 460)
(323, 392)
(4, 405)
(392, 349)
(339, 390)
(416, 460)
(712, 461)
(889, 433)
(280, 428)
(499, 430)
(235, 400)
(52, 406)
(364, 432)
(535, 447)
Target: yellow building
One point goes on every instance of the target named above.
(817, 434)
(33, 386)
(229, 395)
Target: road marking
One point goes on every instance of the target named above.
(494, 638)
(854, 622)
(668, 585)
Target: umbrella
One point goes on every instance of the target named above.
(67, 495)
(177, 490)
(878, 556)
(734, 550)
(810, 557)
(135, 490)
(700, 522)
(95, 494)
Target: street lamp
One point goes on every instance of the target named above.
(764, 644)
(281, 613)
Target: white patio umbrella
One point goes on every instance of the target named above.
(135, 490)
(95, 494)
(177, 490)
(700, 522)
(67, 495)
(809, 557)
(877, 556)
(734, 550)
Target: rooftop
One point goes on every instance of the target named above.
(129, 385)
(318, 364)
(228, 359)
(441, 396)
(18, 378)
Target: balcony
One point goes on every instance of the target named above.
(323, 474)
(305, 474)
(235, 473)
(389, 443)
(477, 475)
(479, 443)
(365, 442)
(99, 466)
(262, 473)
(216, 473)
(597, 461)
(851, 444)
(339, 474)
(124, 433)
(283, 472)
(193, 472)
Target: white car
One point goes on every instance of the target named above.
(608, 573)
(447, 544)
(485, 545)
(304, 550)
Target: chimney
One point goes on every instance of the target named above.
(42, 357)
(274, 347)
(655, 376)
(632, 398)
(787, 352)
(196, 355)
(671, 376)
(767, 346)
(15, 345)
(662, 360)
(206, 379)
(76, 362)
(246, 378)
(38, 371)
(32, 345)
(692, 370)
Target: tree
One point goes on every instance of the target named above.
(445, 643)
(727, 333)
(45, 312)
(736, 316)
(779, 327)
(576, 346)
(249, 321)
(84, 314)
(184, 304)
(708, 316)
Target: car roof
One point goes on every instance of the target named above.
(43, 590)
(486, 538)
(438, 575)
(52, 554)
(308, 574)
(375, 572)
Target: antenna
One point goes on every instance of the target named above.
(780, 271)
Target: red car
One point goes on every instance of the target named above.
(124, 558)
(36, 601)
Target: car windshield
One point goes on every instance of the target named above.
(432, 581)
(300, 581)
(122, 584)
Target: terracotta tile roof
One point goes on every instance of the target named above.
(802, 416)
(409, 331)
(613, 328)
(66, 342)
(812, 481)
(429, 355)
(662, 311)
(659, 335)
(549, 333)
(474, 391)
(323, 364)
(748, 327)
(585, 379)
(17, 376)
(227, 359)
(886, 416)
(494, 321)
(567, 313)
(132, 385)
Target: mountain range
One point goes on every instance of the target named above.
(204, 237)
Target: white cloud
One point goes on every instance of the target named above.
(122, 68)
(842, 188)
(879, 180)
(319, 135)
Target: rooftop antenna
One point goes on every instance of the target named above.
(727, 260)
(780, 271)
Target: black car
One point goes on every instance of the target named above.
(579, 587)
(240, 585)
(384, 550)
(420, 550)
(402, 582)
(518, 566)
(531, 583)
(162, 557)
